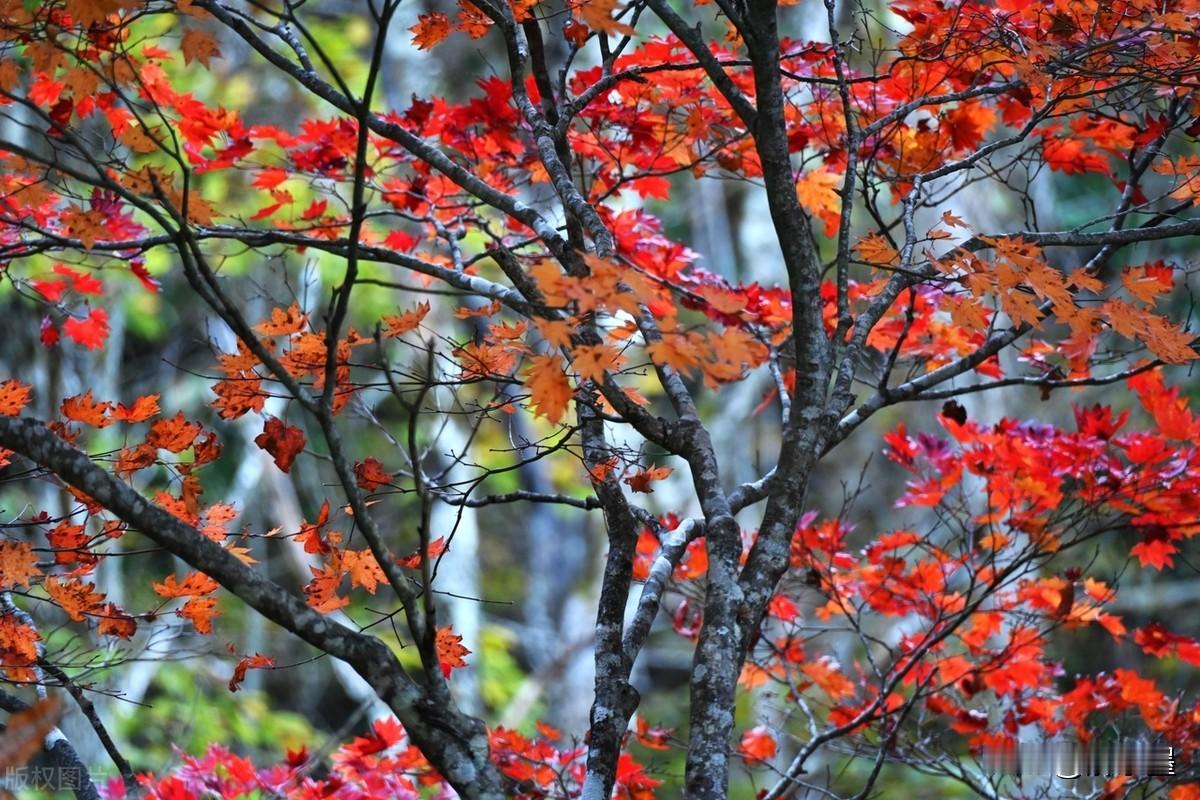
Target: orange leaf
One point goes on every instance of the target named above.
(115, 622)
(876, 250)
(18, 648)
(598, 15)
(198, 45)
(142, 409)
(430, 30)
(549, 387)
(283, 322)
(362, 567)
(14, 396)
(82, 408)
(591, 361)
(757, 745)
(817, 191)
(74, 597)
(18, 564)
(200, 612)
(195, 584)
(827, 674)
(173, 435)
(400, 324)
(26, 730)
(652, 736)
(640, 480)
(413, 560)
(450, 650)
(322, 590)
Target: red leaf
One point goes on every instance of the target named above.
(282, 441)
(255, 661)
(49, 332)
(430, 30)
(450, 650)
(151, 283)
(90, 331)
(640, 480)
(757, 745)
(370, 474)
(1156, 550)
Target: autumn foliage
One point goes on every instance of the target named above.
(506, 260)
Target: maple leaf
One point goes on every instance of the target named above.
(652, 736)
(18, 646)
(414, 561)
(757, 745)
(655, 186)
(70, 543)
(400, 324)
(26, 731)
(361, 566)
(91, 331)
(14, 396)
(966, 312)
(549, 388)
(1147, 284)
(818, 193)
(1155, 550)
(640, 480)
(256, 661)
(321, 591)
(198, 45)
(143, 408)
(591, 361)
(81, 282)
(282, 441)
(430, 30)
(18, 563)
(598, 15)
(283, 322)
(173, 435)
(1073, 155)
(875, 249)
(450, 650)
(44, 91)
(86, 225)
(311, 533)
(826, 673)
(370, 474)
(195, 584)
(82, 408)
(200, 611)
(73, 596)
(112, 621)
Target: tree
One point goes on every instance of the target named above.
(591, 337)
